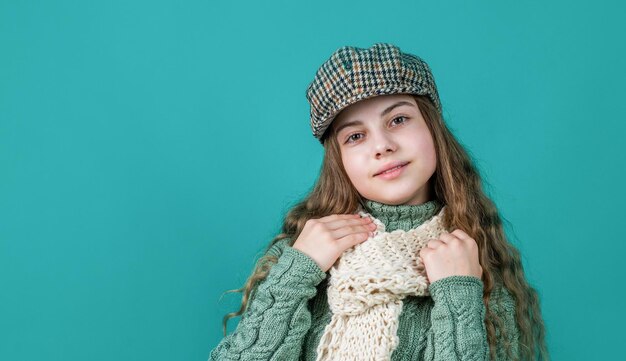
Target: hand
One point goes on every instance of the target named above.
(452, 254)
(326, 238)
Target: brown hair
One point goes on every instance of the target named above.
(456, 183)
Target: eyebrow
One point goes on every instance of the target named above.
(382, 114)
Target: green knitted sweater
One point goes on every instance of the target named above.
(288, 312)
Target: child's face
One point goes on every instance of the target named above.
(379, 139)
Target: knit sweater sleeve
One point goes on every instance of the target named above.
(457, 319)
(277, 318)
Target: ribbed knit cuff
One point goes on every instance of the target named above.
(457, 291)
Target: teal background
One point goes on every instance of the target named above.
(148, 150)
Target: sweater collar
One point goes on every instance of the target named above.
(403, 216)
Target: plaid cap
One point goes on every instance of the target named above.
(352, 74)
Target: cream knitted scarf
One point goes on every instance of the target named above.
(366, 288)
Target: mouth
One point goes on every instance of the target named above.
(392, 171)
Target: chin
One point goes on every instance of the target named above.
(396, 201)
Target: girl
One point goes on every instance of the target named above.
(397, 253)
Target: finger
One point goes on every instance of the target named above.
(352, 239)
(447, 237)
(348, 223)
(460, 234)
(335, 217)
(352, 229)
(433, 244)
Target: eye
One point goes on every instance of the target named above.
(350, 137)
(399, 117)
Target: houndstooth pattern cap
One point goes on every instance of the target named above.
(352, 74)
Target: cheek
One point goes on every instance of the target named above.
(356, 169)
(425, 147)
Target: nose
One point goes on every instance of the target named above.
(384, 144)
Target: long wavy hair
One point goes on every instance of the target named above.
(457, 184)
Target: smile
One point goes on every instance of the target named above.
(392, 173)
